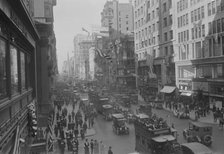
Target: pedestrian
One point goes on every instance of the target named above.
(96, 147)
(76, 132)
(86, 146)
(85, 127)
(62, 146)
(56, 131)
(102, 147)
(91, 146)
(110, 150)
(69, 118)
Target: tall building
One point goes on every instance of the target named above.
(46, 60)
(154, 39)
(200, 50)
(85, 45)
(79, 55)
(18, 83)
(118, 16)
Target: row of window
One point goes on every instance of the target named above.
(194, 2)
(140, 11)
(198, 14)
(202, 49)
(198, 32)
(153, 15)
(183, 36)
(215, 7)
(182, 20)
(17, 76)
(216, 26)
(182, 5)
(152, 41)
(166, 22)
(167, 50)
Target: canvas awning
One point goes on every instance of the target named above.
(186, 94)
(167, 89)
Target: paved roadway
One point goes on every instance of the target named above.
(124, 144)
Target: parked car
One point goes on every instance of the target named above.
(195, 148)
(119, 126)
(198, 132)
(181, 113)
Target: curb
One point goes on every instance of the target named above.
(193, 119)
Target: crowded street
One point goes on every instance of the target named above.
(111, 76)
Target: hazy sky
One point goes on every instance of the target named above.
(70, 16)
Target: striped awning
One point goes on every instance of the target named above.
(167, 89)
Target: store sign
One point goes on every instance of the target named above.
(200, 85)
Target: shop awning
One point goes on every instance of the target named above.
(168, 89)
(186, 94)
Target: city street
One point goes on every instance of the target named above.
(180, 124)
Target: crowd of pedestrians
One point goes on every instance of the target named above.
(72, 125)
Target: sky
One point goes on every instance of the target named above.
(69, 18)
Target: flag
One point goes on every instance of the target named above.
(99, 52)
(83, 29)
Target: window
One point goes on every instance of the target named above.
(126, 22)
(192, 33)
(192, 16)
(186, 19)
(166, 51)
(3, 92)
(171, 19)
(153, 14)
(165, 36)
(178, 6)
(14, 70)
(218, 25)
(214, 27)
(171, 34)
(209, 28)
(187, 35)
(203, 30)
(202, 12)
(23, 71)
(213, 7)
(209, 9)
(199, 13)
(164, 7)
(170, 3)
(153, 27)
(164, 22)
(222, 24)
(195, 15)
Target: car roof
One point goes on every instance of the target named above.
(142, 116)
(163, 138)
(200, 124)
(118, 116)
(104, 99)
(197, 148)
(107, 106)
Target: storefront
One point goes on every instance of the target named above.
(18, 38)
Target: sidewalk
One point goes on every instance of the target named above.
(208, 119)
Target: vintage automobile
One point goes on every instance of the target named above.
(195, 148)
(107, 112)
(130, 118)
(165, 144)
(158, 104)
(119, 126)
(198, 132)
(181, 113)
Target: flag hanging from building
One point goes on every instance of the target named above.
(102, 55)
